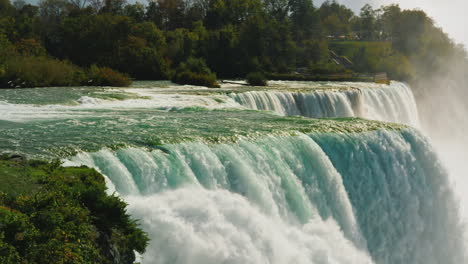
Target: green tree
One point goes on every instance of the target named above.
(222, 49)
(115, 7)
(167, 14)
(336, 18)
(5, 7)
(305, 19)
(135, 11)
(141, 61)
(234, 12)
(278, 9)
(368, 23)
(389, 21)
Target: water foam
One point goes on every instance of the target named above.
(393, 103)
(321, 199)
(195, 225)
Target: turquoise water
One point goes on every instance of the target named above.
(93, 129)
(374, 197)
(213, 181)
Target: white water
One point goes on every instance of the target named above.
(193, 225)
(316, 104)
(377, 197)
(393, 103)
(325, 199)
(443, 107)
(87, 105)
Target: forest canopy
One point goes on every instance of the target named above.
(231, 37)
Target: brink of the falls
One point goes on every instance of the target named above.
(249, 175)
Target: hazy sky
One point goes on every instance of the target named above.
(451, 15)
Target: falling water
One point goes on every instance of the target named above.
(374, 197)
(393, 103)
(353, 191)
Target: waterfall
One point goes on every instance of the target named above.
(317, 104)
(373, 197)
(393, 103)
(235, 186)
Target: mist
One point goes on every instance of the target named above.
(442, 95)
(443, 108)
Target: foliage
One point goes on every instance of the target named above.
(336, 19)
(195, 72)
(66, 218)
(31, 71)
(233, 37)
(104, 76)
(30, 47)
(256, 79)
(326, 68)
(305, 19)
(372, 57)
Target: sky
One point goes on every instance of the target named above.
(451, 15)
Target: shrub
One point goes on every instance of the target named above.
(195, 72)
(188, 77)
(21, 71)
(256, 79)
(68, 218)
(104, 76)
(32, 71)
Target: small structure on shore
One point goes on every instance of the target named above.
(381, 78)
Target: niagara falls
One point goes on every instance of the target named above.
(234, 132)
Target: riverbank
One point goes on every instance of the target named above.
(52, 214)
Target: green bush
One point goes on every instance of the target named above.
(195, 72)
(104, 76)
(68, 218)
(21, 71)
(188, 77)
(32, 71)
(256, 79)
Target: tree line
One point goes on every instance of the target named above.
(230, 37)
